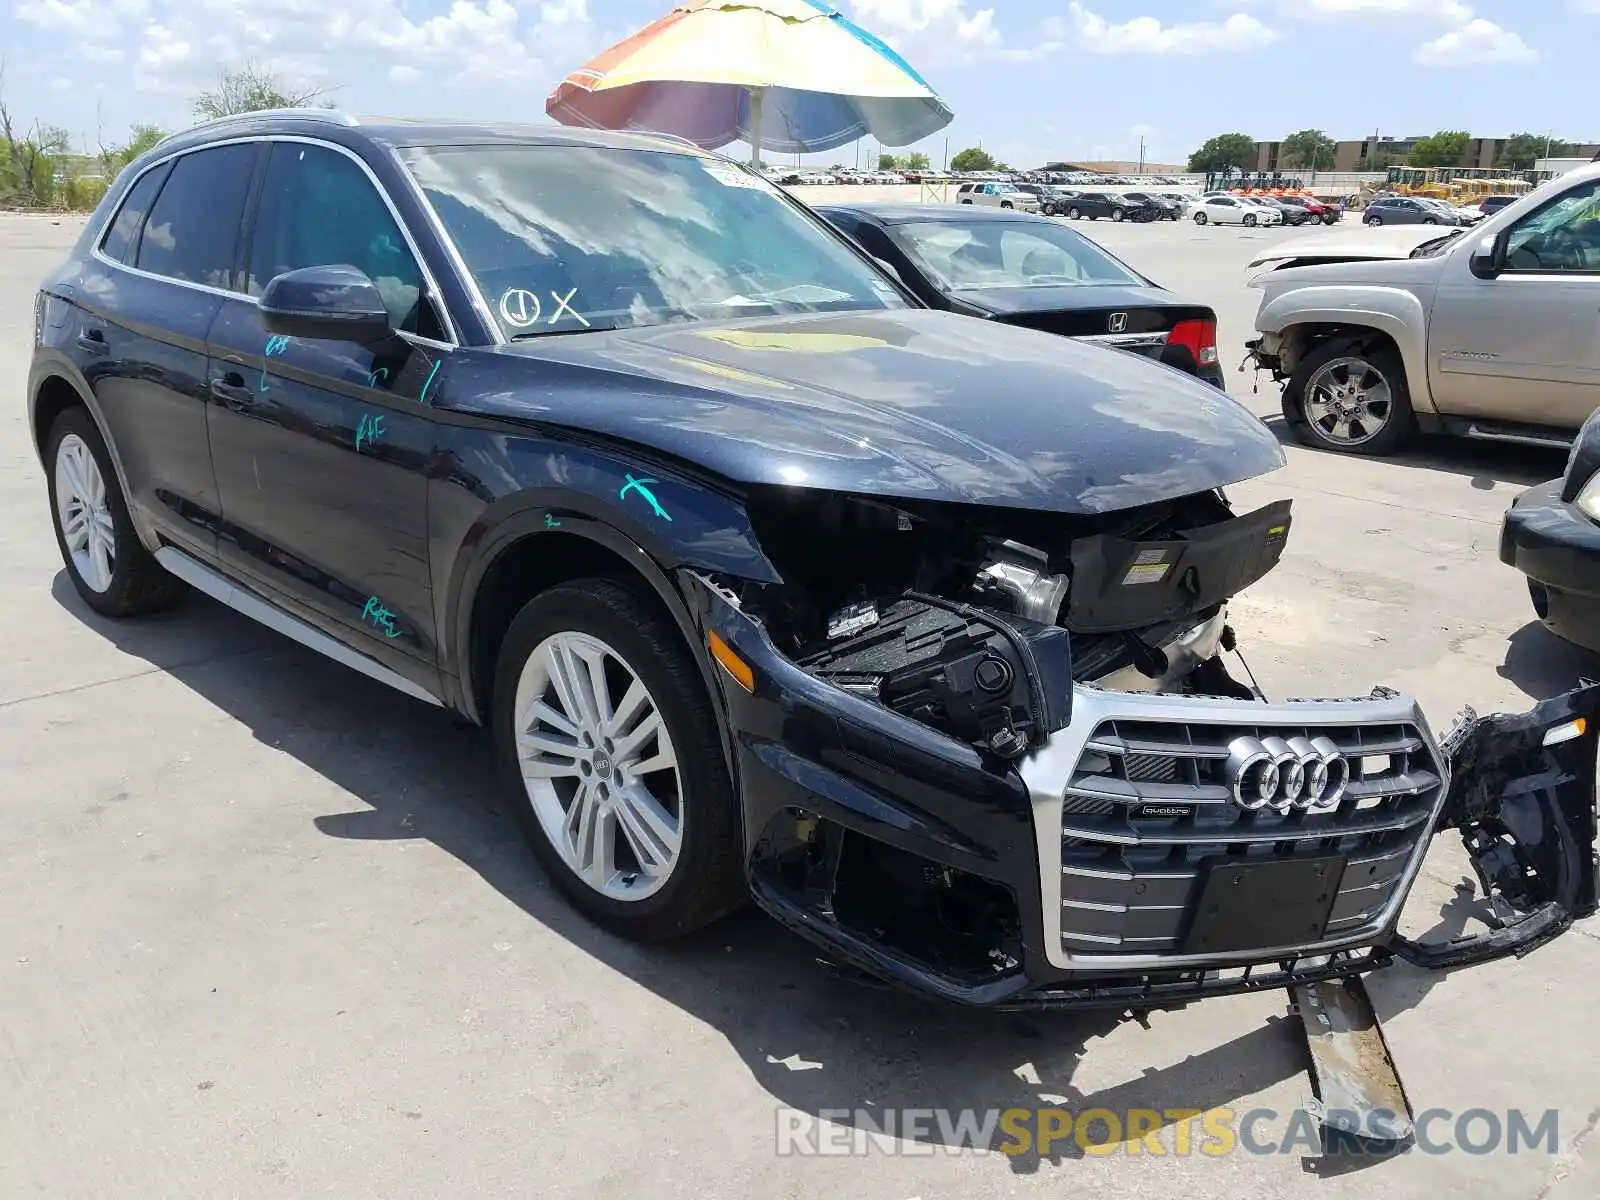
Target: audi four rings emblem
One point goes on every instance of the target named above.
(1280, 774)
(1118, 322)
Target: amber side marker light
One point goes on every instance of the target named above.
(732, 663)
(1557, 734)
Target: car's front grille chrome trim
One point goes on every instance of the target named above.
(1119, 881)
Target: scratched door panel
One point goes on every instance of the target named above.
(321, 452)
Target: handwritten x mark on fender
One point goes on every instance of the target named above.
(638, 485)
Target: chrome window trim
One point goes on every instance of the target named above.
(1047, 771)
(463, 272)
(431, 283)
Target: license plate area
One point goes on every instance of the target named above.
(1263, 903)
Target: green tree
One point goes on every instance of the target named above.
(887, 162)
(1224, 150)
(141, 138)
(28, 165)
(1444, 149)
(973, 158)
(1308, 148)
(916, 161)
(1519, 151)
(251, 87)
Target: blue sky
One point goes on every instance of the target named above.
(1029, 79)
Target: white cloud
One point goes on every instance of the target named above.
(1147, 35)
(926, 20)
(179, 45)
(1450, 11)
(1475, 42)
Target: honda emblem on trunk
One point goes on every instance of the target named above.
(1118, 322)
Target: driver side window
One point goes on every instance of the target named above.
(318, 208)
(1561, 238)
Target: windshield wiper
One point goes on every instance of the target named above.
(532, 334)
(1434, 245)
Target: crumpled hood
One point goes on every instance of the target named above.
(909, 404)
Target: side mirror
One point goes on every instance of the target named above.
(1488, 257)
(334, 304)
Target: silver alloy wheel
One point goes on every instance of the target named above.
(1349, 401)
(599, 770)
(84, 513)
(1199, 218)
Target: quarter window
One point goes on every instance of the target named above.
(1563, 237)
(318, 208)
(192, 232)
(121, 242)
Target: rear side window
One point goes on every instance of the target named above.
(121, 242)
(318, 208)
(193, 230)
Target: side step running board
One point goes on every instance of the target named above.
(1520, 437)
(220, 588)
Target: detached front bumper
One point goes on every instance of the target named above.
(1112, 865)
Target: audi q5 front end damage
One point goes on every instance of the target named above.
(997, 756)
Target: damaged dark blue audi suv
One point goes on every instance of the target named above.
(770, 581)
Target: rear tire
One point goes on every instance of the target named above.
(1073, 214)
(1319, 373)
(1117, 214)
(573, 774)
(108, 565)
(1374, 222)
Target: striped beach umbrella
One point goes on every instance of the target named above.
(791, 76)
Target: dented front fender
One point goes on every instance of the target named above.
(1522, 793)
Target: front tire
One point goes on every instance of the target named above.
(1200, 218)
(1429, 221)
(1350, 398)
(1005, 204)
(607, 738)
(108, 565)
(1250, 220)
(1049, 210)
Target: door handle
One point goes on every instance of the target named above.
(93, 340)
(232, 390)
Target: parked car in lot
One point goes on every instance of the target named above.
(1076, 204)
(1551, 534)
(1288, 214)
(1404, 210)
(1231, 210)
(1166, 210)
(1489, 334)
(1053, 201)
(1033, 272)
(997, 195)
(1490, 205)
(757, 571)
(1325, 211)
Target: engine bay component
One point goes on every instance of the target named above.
(1169, 663)
(1121, 584)
(852, 618)
(998, 681)
(1022, 574)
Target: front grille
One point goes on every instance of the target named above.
(1147, 808)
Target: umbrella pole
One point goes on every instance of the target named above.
(756, 97)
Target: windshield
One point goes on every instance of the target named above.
(568, 239)
(988, 254)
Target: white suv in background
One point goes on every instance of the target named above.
(997, 195)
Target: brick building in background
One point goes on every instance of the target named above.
(1352, 155)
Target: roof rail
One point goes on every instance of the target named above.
(280, 114)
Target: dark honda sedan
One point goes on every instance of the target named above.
(1030, 271)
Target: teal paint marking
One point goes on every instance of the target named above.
(382, 373)
(638, 485)
(381, 617)
(550, 521)
(276, 344)
(369, 431)
(423, 398)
